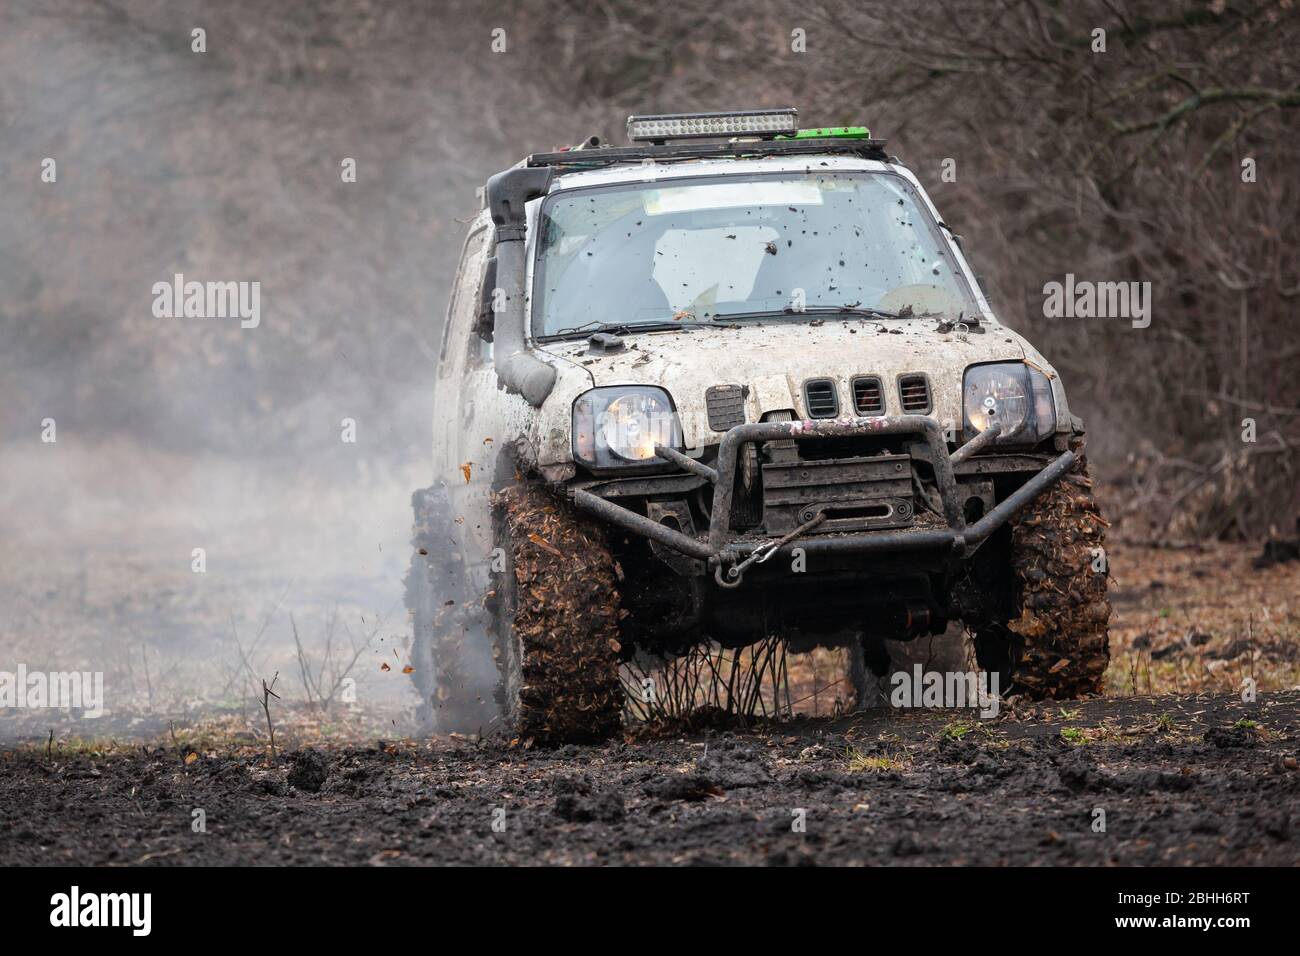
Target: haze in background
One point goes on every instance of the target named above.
(175, 434)
(183, 433)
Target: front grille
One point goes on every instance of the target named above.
(914, 392)
(856, 494)
(725, 405)
(868, 396)
(819, 395)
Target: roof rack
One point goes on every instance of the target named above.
(679, 152)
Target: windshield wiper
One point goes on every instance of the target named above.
(620, 328)
(627, 328)
(788, 312)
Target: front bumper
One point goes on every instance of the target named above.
(723, 547)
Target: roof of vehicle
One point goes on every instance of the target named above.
(683, 151)
(748, 166)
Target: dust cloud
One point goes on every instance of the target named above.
(176, 434)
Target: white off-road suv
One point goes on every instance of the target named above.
(734, 380)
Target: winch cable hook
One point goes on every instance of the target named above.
(731, 578)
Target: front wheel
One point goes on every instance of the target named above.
(1054, 643)
(556, 612)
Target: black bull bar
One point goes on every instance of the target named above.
(721, 547)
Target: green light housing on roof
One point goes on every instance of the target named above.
(831, 132)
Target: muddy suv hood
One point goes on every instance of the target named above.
(773, 361)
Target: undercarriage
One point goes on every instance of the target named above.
(863, 524)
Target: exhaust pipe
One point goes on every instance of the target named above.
(521, 372)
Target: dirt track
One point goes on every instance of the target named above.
(878, 788)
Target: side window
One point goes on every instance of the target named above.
(480, 349)
(464, 296)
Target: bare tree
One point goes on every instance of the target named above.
(268, 691)
(322, 685)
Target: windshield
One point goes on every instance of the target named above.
(704, 249)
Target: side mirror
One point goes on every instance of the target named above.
(485, 318)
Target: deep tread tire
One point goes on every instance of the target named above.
(1059, 642)
(557, 621)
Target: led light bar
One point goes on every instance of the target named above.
(761, 123)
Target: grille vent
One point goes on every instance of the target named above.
(819, 395)
(914, 393)
(868, 396)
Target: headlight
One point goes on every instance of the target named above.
(1014, 395)
(620, 425)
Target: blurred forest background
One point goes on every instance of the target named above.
(1123, 165)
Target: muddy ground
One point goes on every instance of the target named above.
(1162, 754)
(1186, 780)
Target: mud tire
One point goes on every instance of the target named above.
(1056, 640)
(557, 611)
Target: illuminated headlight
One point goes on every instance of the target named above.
(1016, 396)
(620, 425)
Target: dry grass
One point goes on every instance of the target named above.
(855, 761)
(762, 680)
(1185, 621)
(1201, 620)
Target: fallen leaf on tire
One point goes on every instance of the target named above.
(542, 543)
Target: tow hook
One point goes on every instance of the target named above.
(732, 576)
